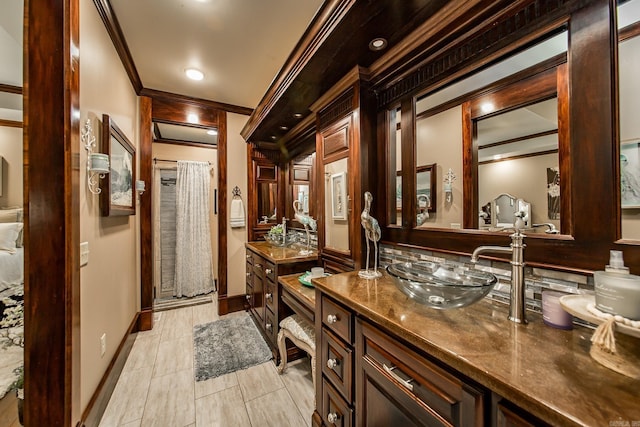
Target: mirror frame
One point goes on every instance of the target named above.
(433, 190)
(591, 116)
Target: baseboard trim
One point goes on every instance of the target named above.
(145, 320)
(230, 304)
(98, 403)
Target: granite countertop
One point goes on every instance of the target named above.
(546, 371)
(279, 255)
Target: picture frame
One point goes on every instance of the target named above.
(630, 174)
(339, 195)
(118, 196)
(426, 185)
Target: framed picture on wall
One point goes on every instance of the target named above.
(630, 174)
(339, 195)
(117, 198)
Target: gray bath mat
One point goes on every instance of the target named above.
(227, 345)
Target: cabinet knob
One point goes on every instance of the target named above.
(332, 318)
(268, 296)
(259, 265)
(248, 274)
(332, 363)
(268, 326)
(268, 271)
(248, 297)
(248, 256)
(332, 417)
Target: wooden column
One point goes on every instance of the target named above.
(145, 320)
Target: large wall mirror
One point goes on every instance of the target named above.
(498, 132)
(629, 105)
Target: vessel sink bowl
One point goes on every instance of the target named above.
(441, 285)
(276, 239)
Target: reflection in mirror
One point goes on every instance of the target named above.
(439, 136)
(336, 205)
(395, 167)
(426, 194)
(267, 202)
(506, 208)
(301, 194)
(189, 134)
(518, 154)
(629, 98)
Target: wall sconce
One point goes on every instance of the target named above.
(97, 163)
(448, 188)
(140, 187)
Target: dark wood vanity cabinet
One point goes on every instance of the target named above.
(262, 294)
(369, 378)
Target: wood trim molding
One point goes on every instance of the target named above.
(108, 16)
(629, 32)
(231, 304)
(222, 207)
(176, 98)
(10, 89)
(187, 143)
(325, 21)
(98, 403)
(10, 123)
(146, 223)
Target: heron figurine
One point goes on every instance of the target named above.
(307, 222)
(372, 233)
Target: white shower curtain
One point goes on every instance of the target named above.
(194, 271)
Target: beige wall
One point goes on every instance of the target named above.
(439, 140)
(200, 154)
(109, 283)
(11, 151)
(236, 175)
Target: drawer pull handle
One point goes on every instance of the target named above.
(268, 271)
(259, 265)
(332, 417)
(248, 274)
(332, 363)
(248, 256)
(269, 326)
(332, 318)
(268, 296)
(248, 297)
(406, 383)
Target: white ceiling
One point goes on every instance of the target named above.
(240, 45)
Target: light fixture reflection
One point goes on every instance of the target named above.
(194, 74)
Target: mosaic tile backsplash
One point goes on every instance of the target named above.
(536, 279)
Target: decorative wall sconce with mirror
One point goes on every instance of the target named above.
(118, 197)
(97, 163)
(506, 208)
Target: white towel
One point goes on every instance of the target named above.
(237, 213)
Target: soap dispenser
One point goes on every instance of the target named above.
(617, 291)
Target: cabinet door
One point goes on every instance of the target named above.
(509, 415)
(257, 298)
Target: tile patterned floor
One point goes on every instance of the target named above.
(157, 386)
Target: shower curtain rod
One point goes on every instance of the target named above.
(155, 159)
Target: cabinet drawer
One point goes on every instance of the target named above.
(249, 258)
(337, 364)
(337, 318)
(249, 272)
(417, 385)
(335, 410)
(270, 326)
(270, 295)
(270, 271)
(509, 415)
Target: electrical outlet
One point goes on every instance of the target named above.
(103, 344)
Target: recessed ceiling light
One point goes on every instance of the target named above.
(212, 132)
(378, 44)
(193, 118)
(273, 137)
(284, 128)
(297, 115)
(194, 74)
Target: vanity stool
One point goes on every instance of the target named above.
(303, 335)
